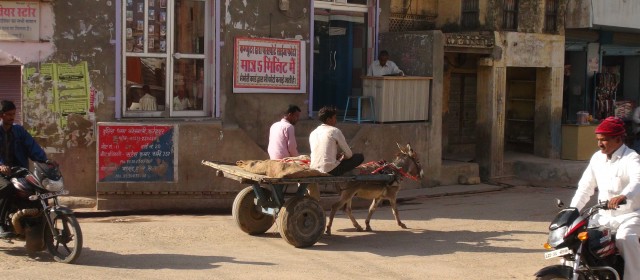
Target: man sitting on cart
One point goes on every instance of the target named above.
(324, 142)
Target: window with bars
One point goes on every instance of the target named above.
(551, 16)
(510, 16)
(470, 13)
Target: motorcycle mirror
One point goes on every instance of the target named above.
(559, 203)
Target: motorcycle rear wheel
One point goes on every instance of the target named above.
(67, 244)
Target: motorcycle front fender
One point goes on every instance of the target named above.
(561, 270)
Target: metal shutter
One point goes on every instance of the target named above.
(10, 87)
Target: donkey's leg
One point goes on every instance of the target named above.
(353, 220)
(394, 210)
(345, 198)
(334, 208)
(372, 208)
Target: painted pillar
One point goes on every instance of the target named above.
(491, 91)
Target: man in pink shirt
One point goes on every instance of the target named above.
(282, 136)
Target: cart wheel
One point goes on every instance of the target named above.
(302, 221)
(248, 215)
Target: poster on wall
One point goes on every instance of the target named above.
(136, 153)
(19, 21)
(269, 65)
(62, 87)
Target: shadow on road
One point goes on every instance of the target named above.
(415, 242)
(155, 261)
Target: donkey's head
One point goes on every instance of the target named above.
(409, 161)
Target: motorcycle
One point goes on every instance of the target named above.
(35, 215)
(588, 251)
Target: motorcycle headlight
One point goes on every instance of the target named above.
(556, 237)
(53, 185)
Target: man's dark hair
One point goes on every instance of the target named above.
(6, 106)
(383, 52)
(146, 88)
(292, 109)
(326, 113)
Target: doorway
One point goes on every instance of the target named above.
(340, 53)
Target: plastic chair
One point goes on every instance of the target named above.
(358, 118)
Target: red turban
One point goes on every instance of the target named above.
(611, 126)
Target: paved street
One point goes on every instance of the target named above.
(496, 235)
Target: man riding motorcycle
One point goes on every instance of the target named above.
(615, 171)
(16, 148)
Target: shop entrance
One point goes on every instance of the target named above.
(339, 56)
(520, 106)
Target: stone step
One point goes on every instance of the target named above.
(457, 172)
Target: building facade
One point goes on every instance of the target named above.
(503, 80)
(130, 96)
(602, 59)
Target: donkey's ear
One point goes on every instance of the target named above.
(400, 147)
(409, 147)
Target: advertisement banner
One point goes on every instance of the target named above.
(19, 21)
(136, 153)
(269, 65)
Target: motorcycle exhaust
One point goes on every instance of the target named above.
(15, 219)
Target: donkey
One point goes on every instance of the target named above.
(406, 164)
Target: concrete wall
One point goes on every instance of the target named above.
(541, 51)
(423, 55)
(609, 14)
(531, 15)
(70, 33)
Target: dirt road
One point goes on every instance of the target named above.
(483, 236)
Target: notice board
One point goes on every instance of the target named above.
(136, 153)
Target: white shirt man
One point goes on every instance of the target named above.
(383, 66)
(324, 142)
(148, 102)
(181, 103)
(615, 171)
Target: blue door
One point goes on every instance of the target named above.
(337, 70)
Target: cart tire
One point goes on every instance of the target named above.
(248, 215)
(302, 221)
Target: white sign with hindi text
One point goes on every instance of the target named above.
(19, 21)
(269, 65)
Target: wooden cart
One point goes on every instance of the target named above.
(301, 218)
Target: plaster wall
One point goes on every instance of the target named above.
(423, 7)
(609, 14)
(530, 49)
(423, 55)
(448, 13)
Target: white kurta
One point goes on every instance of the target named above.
(390, 68)
(324, 142)
(618, 176)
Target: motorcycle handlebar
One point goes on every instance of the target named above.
(604, 205)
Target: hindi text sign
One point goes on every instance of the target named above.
(19, 21)
(269, 65)
(136, 153)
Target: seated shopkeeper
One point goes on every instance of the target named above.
(384, 67)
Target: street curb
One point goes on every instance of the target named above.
(496, 189)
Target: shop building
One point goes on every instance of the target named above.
(602, 60)
(83, 69)
(503, 80)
